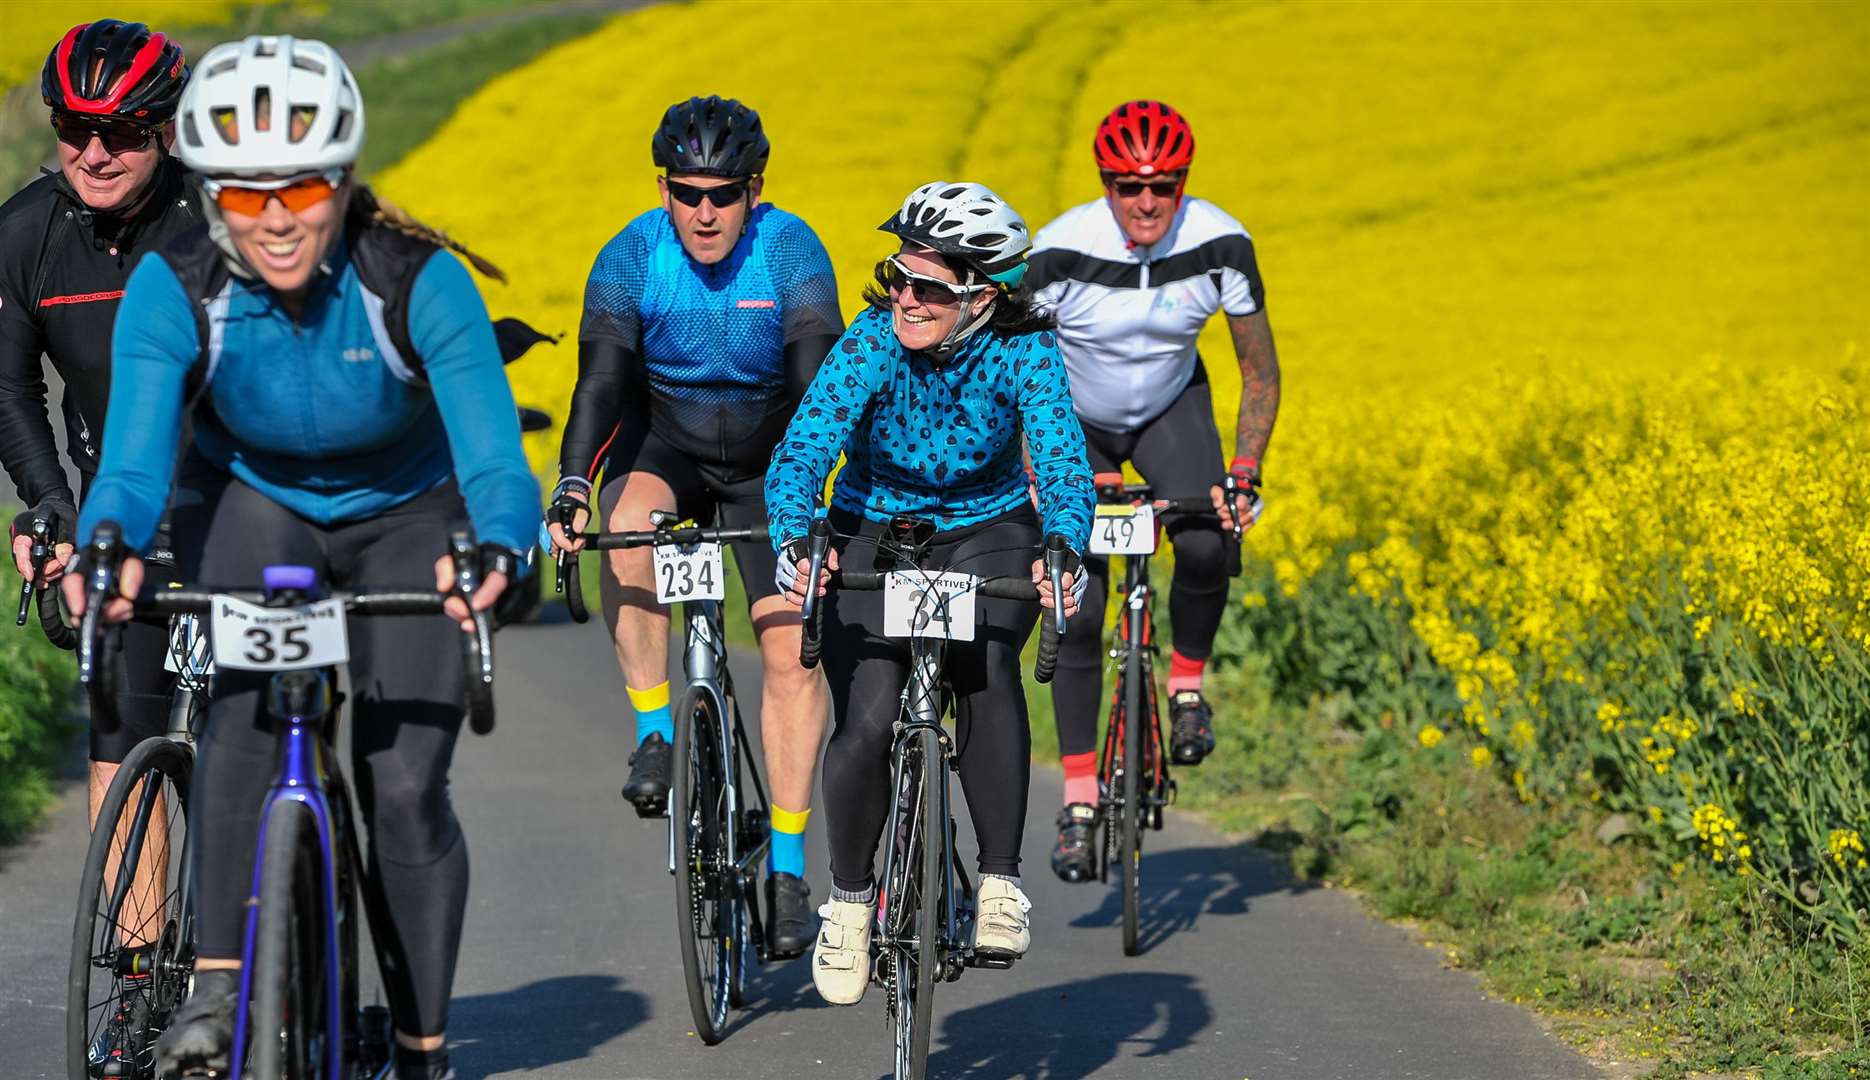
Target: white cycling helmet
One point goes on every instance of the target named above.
(238, 113)
(968, 221)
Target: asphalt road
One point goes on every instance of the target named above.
(570, 967)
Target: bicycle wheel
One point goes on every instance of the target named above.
(708, 907)
(289, 1024)
(132, 944)
(1130, 814)
(915, 905)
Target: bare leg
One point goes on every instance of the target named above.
(139, 920)
(639, 626)
(794, 705)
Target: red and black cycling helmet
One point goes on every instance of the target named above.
(116, 69)
(713, 136)
(1143, 138)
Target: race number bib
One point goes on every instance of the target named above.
(249, 637)
(1124, 530)
(690, 572)
(929, 605)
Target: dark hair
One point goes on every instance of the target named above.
(1013, 312)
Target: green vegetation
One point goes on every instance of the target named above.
(1560, 905)
(35, 693)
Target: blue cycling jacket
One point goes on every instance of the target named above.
(937, 441)
(725, 348)
(313, 412)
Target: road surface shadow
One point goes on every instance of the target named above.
(543, 1023)
(1183, 884)
(1072, 1029)
(777, 988)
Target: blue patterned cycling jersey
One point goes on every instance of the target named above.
(712, 338)
(937, 441)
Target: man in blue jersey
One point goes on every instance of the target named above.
(704, 321)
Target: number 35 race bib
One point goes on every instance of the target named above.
(254, 638)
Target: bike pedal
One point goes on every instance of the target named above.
(995, 961)
(651, 806)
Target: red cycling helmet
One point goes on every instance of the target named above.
(116, 69)
(1143, 138)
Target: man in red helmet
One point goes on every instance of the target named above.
(68, 242)
(1132, 278)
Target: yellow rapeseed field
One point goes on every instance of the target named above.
(33, 26)
(1571, 302)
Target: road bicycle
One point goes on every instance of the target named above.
(1134, 783)
(925, 912)
(298, 1016)
(719, 829)
(133, 938)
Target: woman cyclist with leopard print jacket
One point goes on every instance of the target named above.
(931, 394)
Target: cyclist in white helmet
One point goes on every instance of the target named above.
(301, 454)
(1132, 277)
(930, 395)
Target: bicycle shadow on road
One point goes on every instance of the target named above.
(778, 988)
(1073, 1029)
(542, 1023)
(1181, 885)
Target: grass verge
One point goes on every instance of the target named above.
(35, 694)
(1671, 969)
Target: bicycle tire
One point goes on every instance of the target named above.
(288, 1024)
(915, 988)
(95, 940)
(705, 903)
(1130, 814)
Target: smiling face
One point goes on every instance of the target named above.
(109, 182)
(1144, 205)
(923, 316)
(284, 246)
(708, 232)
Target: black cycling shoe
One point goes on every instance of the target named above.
(122, 1048)
(1073, 857)
(422, 1064)
(648, 785)
(201, 1032)
(1192, 735)
(789, 898)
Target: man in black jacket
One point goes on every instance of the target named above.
(68, 242)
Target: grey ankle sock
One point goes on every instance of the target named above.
(867, 896)
(1014, 878)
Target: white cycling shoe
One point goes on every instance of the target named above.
(1002, 922)
(841, 958)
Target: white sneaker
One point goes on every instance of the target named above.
(1001, 923)
(841, 959)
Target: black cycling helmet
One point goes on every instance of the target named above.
(712, 135)
(116, 69)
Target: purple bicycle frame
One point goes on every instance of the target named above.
(301, 777)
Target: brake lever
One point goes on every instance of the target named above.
(1055, 566)
(41, 551)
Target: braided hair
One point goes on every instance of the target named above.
(372, 209)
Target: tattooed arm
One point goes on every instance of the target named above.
(1259, 384)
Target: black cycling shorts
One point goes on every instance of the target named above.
(709, 494)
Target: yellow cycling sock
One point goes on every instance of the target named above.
(787, 854)
(652, 712)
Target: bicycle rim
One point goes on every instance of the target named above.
(145, 812)
(707, 911)
(1130, 814)
(915, 908)
(290, 1017)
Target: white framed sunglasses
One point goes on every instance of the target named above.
(896, 277)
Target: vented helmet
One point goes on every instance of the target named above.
(1143, 138)
(714, 136)
(280, 105)
(116, 69)
(966, 221)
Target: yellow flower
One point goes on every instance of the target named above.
(1430, 736)
(1480, 756)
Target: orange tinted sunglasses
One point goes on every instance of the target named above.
(297, 195)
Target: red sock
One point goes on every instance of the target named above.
(1184, 674)
(1080, 777)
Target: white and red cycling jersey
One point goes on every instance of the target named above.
(1128, 316)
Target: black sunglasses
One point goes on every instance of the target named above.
(1162, 189)
(722, 197)
(118, 136)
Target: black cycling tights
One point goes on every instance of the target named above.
(868, 671)
(1179, 454)
(406, 710)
